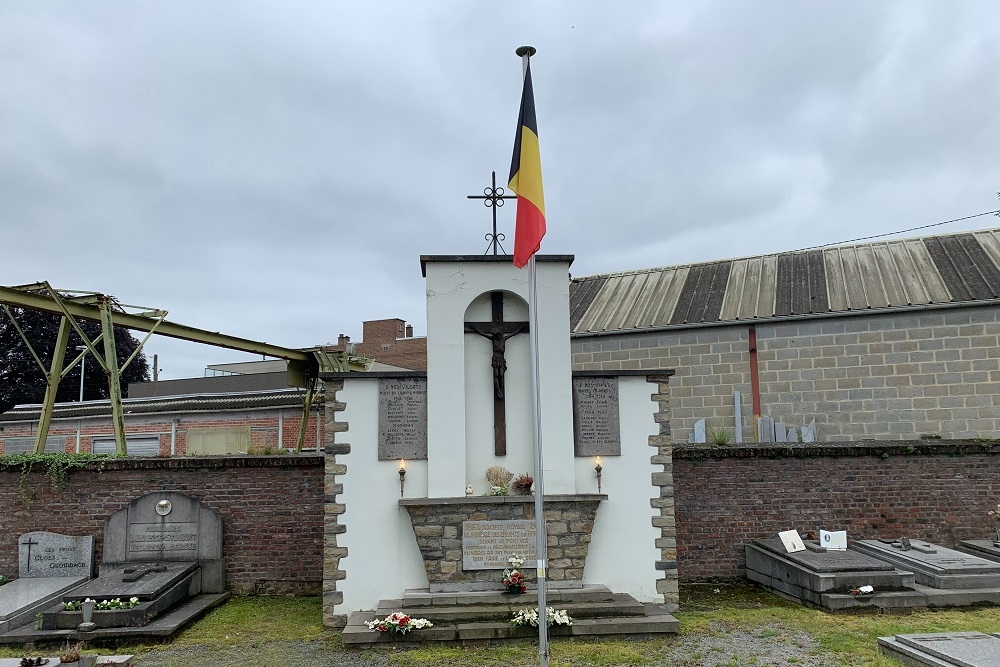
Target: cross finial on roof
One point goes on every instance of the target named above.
(493, 198)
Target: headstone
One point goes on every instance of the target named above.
(792, 436)
(738, 413)
(49, 564)
(944, 649)
(44, 554)
(486, 545)
(809, 432)
(596, 426)
(765, 429)
(402, 418)
(780, 432)
(166, 526)
(934, 565)
(699, 431)
(792, 541)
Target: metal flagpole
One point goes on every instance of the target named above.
(536, 440)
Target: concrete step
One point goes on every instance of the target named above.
(622, 617)
(620, 605)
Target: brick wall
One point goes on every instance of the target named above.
(726, 496)
(893, 376)
(271, 510)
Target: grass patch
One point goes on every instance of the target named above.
(279, 630)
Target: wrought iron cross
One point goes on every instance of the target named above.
(498, 332)
(493, 198)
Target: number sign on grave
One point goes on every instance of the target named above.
(596, 427)
(486, 545)
(402, 418)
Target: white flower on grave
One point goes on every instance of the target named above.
(134, 600)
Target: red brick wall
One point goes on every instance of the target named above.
(271, 509)
(726, 496)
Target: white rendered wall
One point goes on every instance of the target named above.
(383, 558)
(454, 461)
(623, 552)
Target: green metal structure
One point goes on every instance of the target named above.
(304, 366)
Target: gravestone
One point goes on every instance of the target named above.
(402, 419)
(823, 577)
(162, 527)
(988, 549)
(699, 431)
(44, 554)
(943, 649)
(935, 566)
(486, 545)
(765, 429)
(49, 564)
(596, 427)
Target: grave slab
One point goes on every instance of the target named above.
(946, 649)
(155, 579)
(812, 575)
(987, 549)
(21, 599)
(934, 565)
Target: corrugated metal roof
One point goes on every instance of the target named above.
(935, 270)
(165, 404)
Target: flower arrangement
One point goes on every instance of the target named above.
(529, 617)
(995, 513)
(71, 653)
(103, 605)
(498, 477)
(3, 580)
(862, 590)
(513, 578)
(398, 623)
(523, 484)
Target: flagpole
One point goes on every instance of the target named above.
(541, 543)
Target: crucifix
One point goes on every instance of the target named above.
(498, 332)
(29, 543)
(137, 573)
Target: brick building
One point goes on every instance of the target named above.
(248, 422)
(390, 343)
(891, 340)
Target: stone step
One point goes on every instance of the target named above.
(424, 598)
(622, 616)
(620, 605)
(654, 621)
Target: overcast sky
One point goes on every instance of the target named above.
(273, 170)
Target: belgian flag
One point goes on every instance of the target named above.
(526, 180)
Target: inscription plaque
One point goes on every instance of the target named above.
(486, 545)
(44, 554)
(596, 430)
(402, 418)
(176, 538)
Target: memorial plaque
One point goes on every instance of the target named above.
(179, 539)
(596, 428)
(44, 554)
(402, 419)
(486, 545)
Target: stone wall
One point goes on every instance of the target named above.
(332, 510)
(437, 525)
(726, 496)
(891, 376)
(270, 508)
(664, 503)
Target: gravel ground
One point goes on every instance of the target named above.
(720, 647)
